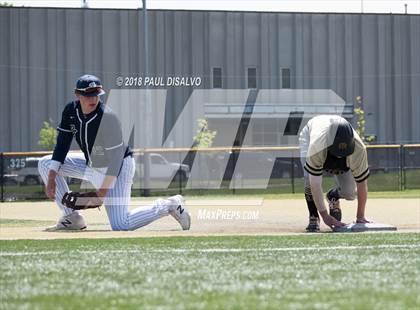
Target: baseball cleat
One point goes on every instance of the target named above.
(313, 225)
(179, 212)
(73, 221)
(334, 204)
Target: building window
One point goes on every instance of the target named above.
(252, 77)
(285, 78)
(217, 77)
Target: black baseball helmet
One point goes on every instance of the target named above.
(341, 138)
(89, 86)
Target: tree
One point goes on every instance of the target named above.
(205, 136)
(204, 139)
(47, 136)
(360, 121)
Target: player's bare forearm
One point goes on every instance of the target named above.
(317, 194)
(52, 174)
(107, 184)
(50, 186)
(362, 193)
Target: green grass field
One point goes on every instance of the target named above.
(321, 271)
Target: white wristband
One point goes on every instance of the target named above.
(55, 165)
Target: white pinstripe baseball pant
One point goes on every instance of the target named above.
(118, 197)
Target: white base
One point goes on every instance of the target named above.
(359, 227)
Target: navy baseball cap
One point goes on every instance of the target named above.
(89, 86)
(342, 138)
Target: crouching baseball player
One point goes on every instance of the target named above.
(107, 163)
(329, 143)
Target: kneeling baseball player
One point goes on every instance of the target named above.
(329, 143)
(107, 163)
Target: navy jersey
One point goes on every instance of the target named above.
(98, 134)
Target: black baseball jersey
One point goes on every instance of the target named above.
(335, 165)
(98, 134)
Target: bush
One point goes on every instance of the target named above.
(361, 121)
(47, 136)
(204, 137)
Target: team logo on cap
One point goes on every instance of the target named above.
(92, 84)
(342, 146)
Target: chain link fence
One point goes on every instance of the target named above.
(218, 171)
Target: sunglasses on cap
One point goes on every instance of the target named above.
(88, 89)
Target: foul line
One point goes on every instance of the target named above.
(217, 250)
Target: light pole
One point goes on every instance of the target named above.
(146, 53)
(148, 111)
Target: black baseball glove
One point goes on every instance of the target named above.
(81, 201)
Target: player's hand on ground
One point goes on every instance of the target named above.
(363, 220)
(331, 222)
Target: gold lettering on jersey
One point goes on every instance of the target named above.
(342, 146)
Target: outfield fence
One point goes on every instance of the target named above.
(218, 170)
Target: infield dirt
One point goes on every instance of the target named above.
(209, 217)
